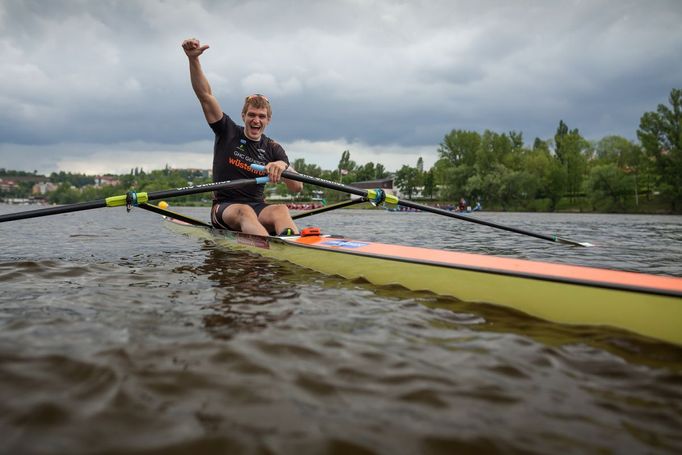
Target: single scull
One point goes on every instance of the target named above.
(649, 305)
(645, 304)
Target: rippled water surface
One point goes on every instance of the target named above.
(117, 335)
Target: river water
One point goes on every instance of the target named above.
(117, 335)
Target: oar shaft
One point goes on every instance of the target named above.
(426, 208)
(139, 198)
(177, 216)
(204, 188)
(324, 183)
(54, 210)
(360, 192)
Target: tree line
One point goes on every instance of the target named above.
(613, 174)
(498, 169)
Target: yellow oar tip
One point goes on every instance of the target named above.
(163, 205)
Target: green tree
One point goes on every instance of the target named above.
(365, 172)
(380, 172)
(78, 180)
(489, 186)
(627, 156)
(608, 181)
(460, 147)
(514, 158)
(441, 172)
(346, 168)
(613, 149)
(571, 150)
(537, 162)
(407, 180)
(541, 162)
(64, 194)
(429, 183)
(556, 183)
(455, 180)
(309, 169)
(516, 187)
(494, 148)
(660, 133)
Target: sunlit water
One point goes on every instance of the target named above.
(117, 335)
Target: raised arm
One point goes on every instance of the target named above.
(209, 104)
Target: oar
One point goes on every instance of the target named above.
(132, 198)
(174, 215)
(378, 196)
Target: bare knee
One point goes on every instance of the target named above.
(237, 215)
(277, 218)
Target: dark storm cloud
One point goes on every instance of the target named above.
(377, 75)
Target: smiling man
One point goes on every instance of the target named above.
(236, 148)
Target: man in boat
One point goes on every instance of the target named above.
(462, 206)
(236, 148)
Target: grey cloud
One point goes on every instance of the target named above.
(383, 72)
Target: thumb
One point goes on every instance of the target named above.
(204, 47)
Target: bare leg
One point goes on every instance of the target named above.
(277, 218)
(243, 218)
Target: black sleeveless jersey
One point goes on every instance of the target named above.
(233, 154)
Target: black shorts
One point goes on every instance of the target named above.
(219, 207)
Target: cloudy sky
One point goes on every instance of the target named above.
(103, 86)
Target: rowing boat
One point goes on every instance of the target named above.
(646, 304)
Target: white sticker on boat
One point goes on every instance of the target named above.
(344, 243)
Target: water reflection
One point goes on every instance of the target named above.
(251, 292)
(130, 352)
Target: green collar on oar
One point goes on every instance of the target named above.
(130, 199)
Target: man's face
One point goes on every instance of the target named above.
(255, 121)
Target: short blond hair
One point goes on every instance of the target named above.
(257, 101)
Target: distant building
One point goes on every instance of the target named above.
(42, 188)
(7, 185)
(106, 180)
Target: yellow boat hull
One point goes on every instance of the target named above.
(649, 305)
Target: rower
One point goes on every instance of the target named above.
(236, 149)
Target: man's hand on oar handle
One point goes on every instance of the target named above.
(275, 169)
